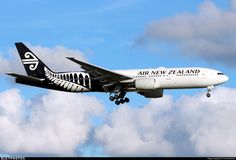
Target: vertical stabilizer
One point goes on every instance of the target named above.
(33, 65)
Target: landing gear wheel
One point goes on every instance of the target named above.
(117, 102)
(112, 98)
(208, 95)
(118, 95)
(122, 101)
(126, 100)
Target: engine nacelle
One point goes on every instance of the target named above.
(152, 94)
(146, 84)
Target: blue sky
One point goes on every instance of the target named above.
(107, 33)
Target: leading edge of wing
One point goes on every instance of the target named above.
(99, 72)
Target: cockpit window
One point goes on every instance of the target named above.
(219, 73)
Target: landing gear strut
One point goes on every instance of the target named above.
(209, 90)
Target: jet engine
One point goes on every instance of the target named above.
(148, 87)
(152, 94)
(146, 84)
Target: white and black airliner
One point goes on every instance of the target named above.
(147, 82)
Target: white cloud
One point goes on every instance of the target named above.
(57, 123)
(190, 126)
(138, 132)
(210, 33)
(6, 65)
(233, 4)
(210, 123)
(54, 123)
(54, 58)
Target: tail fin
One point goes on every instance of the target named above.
(33, 65)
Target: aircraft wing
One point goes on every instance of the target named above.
(99, 72)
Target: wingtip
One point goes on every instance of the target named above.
(70, 58)
(18, 43)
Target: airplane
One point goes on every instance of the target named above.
(149, 83)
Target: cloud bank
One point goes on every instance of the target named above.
(189, 126)
(210, 33)
(59, 123)
(54, 123)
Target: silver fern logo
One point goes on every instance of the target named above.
(30, 60)
(64, 84)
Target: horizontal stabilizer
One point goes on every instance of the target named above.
(28, 78)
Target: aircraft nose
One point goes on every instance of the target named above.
(222, 78)
(225, 78)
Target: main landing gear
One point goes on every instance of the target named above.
(118, 95)
(209, 90)
(119, 98)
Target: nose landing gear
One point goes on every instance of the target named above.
(208, 95)
(209, 90)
